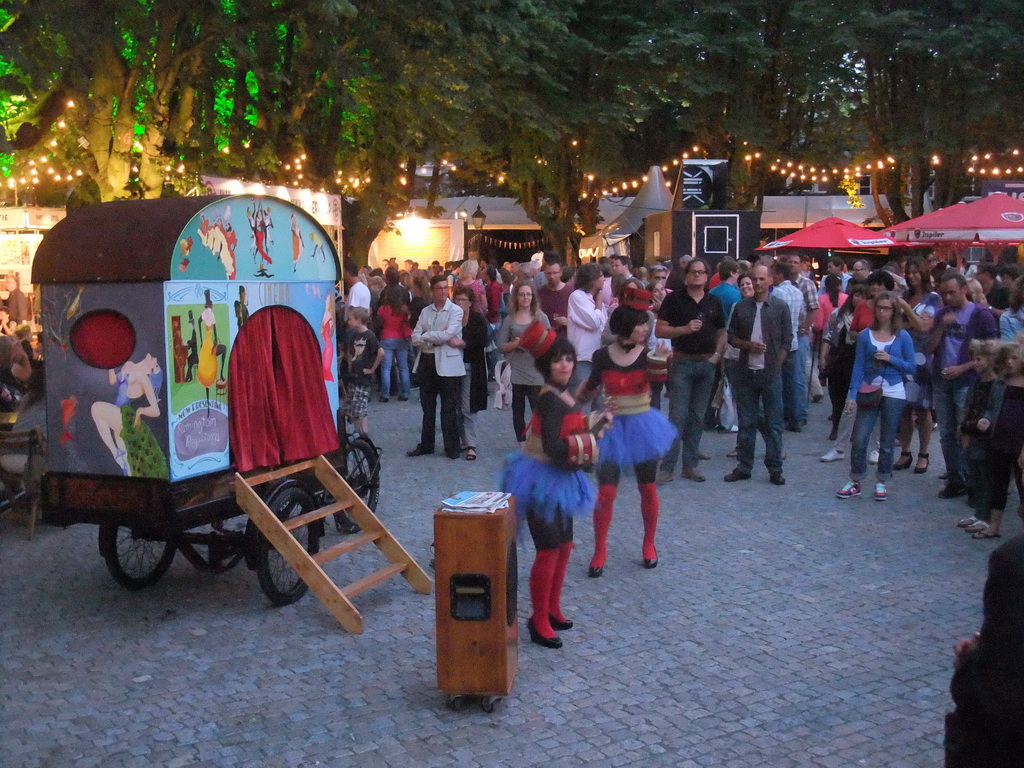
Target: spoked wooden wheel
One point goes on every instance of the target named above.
(134, 559)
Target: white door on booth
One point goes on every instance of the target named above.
(716, 236)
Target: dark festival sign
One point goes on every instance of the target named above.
(702, 185)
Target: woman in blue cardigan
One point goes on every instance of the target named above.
(885, 355)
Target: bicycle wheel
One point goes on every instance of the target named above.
(136, 561)
(362, 471)
(278, 580)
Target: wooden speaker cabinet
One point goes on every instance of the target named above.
(476, 569)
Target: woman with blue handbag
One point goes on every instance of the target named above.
(885, 355)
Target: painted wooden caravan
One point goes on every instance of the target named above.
(186, 340)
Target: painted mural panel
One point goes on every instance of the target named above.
(112, 419)
(202, 321)
(251, 236)
(199, 337)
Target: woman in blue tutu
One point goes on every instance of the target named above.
(548, 480)
(640, 435)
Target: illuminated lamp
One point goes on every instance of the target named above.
(479, 218)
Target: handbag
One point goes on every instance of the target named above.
(869, 396)
(727, 415)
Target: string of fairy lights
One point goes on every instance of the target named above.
(47, 167)
(1009, 164)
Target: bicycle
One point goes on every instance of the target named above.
(361, 471)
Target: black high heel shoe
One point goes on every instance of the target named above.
(921, 470)
(539, 639)
(558, 625)
(595, 571)
(651, 562)
(905, 460)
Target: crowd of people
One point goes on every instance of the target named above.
(743, 347)
(586, 354)
(893, 347)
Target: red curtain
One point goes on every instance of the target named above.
(277, 405)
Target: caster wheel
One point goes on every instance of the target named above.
(488, 702)
(455, 703)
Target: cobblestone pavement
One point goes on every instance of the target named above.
(782, 628)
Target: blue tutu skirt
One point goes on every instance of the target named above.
(636, 438)
(545, 489)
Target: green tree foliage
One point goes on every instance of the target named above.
(354, 95)
(121, 74)
(937, 77)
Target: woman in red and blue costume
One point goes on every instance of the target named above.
(548, 480)
(640, 435)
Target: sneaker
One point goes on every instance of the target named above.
(880, 494)
(873, 457)
(834, 455)
(849, 490)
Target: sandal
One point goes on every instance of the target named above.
(905, 460)
(986, 534)
(919, 470)
(964, 522)
(978, 525)
(470, 454)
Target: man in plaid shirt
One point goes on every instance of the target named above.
(785, 289)
(803, 354)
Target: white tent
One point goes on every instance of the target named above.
(799, 211)
(653, 197)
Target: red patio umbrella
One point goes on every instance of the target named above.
(997, 218)
(831, 233)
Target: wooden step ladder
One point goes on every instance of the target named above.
(278, 533)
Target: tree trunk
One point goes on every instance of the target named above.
(109, 129)
(884, 215)
(894, 193)
(432, 189)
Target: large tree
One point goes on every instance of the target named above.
(940, 79)
(563, 119)
(353, 95)
(119, 79)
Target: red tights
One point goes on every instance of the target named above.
(603, 520)
(546, 579)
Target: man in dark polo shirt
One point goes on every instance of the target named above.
(693, 319)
